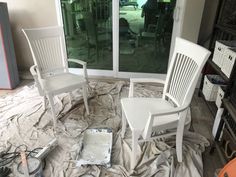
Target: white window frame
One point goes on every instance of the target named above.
(115, 35)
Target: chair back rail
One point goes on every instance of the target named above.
(47, 46)
(185, 68)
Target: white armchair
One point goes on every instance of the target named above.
(144, 115)
(50, 69)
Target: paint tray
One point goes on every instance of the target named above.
(96, 147)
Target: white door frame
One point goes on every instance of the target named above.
(115, 35)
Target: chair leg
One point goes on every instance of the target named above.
(134, 149)
(124, 123)
(179, 139)
(85, 99)
(50, 99)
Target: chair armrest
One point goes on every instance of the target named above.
(169, 111)
(80, 62)
(36, 76)
(33, 70)
(148, 127)
(147, 80)
(142, 80)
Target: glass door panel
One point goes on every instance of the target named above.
(145, 35)
(88, 32)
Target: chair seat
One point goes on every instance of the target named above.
(138, 109)
(62, 83)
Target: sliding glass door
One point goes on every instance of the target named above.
(119, 38)
(145, 29)
(88, 31)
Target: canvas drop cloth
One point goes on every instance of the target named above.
(23, 120)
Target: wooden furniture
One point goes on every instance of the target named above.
(50, 71)
(225, 140)
(9, 78)
(224, 29)
(145, 115)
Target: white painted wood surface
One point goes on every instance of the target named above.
(144, 115)
(50, 70)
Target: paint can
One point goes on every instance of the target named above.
(34, 167)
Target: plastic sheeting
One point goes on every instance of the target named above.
(23, 120)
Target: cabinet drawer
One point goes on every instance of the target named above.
(228, 61)
(210, 86)
(219, 51)
(220, 96)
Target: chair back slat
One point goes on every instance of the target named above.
(183, 73)
(186, 65)
(47, 46)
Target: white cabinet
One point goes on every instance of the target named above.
(228, 61)
(211, 85)
(219, 52)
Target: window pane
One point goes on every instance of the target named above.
(145, 35)
(88, 34)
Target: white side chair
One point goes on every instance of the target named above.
(50, 69)
(145, 115)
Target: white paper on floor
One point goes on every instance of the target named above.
(23, 120)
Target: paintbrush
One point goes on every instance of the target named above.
(24, 164)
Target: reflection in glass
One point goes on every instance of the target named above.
(88, 34)
(145, 35)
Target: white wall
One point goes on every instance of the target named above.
(192, 19)
(187, 21)
(28, 14)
